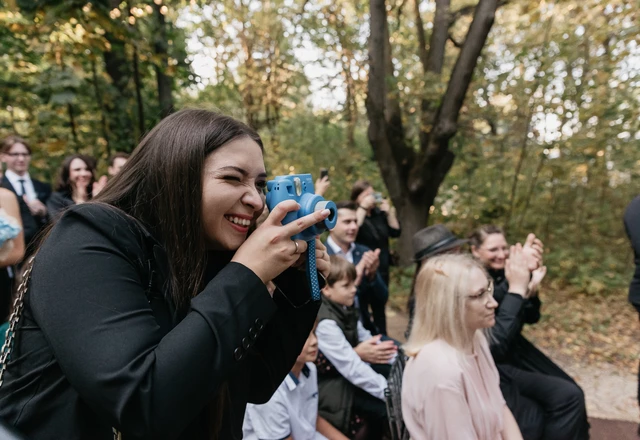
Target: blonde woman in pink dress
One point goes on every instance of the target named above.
(450, 387)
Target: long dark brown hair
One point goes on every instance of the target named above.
(161, 186)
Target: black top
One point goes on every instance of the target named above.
(375, 233)
(632, 225)
(31, 224)
(512, 313)
(100, 343)
(58, 202)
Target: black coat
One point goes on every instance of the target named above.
(632, 226)
(100, 343)
(374, 233)
(508, 347)
(57, 203)
(31, 224)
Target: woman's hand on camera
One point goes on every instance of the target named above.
(269, 251)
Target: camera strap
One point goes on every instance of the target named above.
(312, 270)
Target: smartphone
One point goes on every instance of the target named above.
(378, 197)
(323, 173)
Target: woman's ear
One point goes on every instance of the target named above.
(474, 251)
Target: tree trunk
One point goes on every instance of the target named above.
(118, 68)
(165, 82)
(413, 178)
(100, 102)
(138, 83)
(72, 125)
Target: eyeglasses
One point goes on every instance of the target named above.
(488, 290)
(19, 154)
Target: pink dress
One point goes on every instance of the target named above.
(449, 395)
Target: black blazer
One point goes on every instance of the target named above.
(100, 343)
(31, 224)
(632, 226)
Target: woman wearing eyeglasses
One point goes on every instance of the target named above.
(451, 387)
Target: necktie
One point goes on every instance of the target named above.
(24, 190)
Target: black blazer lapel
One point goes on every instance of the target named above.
(6, 184)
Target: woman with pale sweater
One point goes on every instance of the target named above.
(450, 387)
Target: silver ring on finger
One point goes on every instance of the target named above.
(297, 247)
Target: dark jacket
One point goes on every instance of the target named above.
(57, 203)
(101, 344)
(337, 393)
(632, 226)
(368, 291)
(512, 314)
(374, 233)
(509, 348)
(31, 224)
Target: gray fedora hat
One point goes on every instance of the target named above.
(434, 240)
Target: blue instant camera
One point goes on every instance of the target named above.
(299, 187)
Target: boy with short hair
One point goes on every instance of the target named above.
(350, 388)
(292, 412)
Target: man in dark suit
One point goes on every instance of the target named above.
(372, 291)
(632, 226)
(32, 194)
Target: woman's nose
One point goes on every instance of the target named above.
(254, 198)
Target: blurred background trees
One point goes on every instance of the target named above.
(539, 133)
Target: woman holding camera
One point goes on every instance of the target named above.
(151, 312)
(377, 223)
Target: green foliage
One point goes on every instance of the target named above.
(547, 139)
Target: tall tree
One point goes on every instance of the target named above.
(414, 175)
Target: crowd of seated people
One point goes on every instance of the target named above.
(471, 373)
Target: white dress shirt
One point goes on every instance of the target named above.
(291, 411)
(14, 179)
(334, 345)
(337, 250)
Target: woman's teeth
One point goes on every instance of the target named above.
(238, 221)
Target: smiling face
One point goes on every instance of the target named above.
(18, 158)
(234, 179)
(346, 228)
(79, 173)
(480, 306)
(493, 252)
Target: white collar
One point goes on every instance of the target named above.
(14, 177)
(337, 249)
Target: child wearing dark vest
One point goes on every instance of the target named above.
(351, 391)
